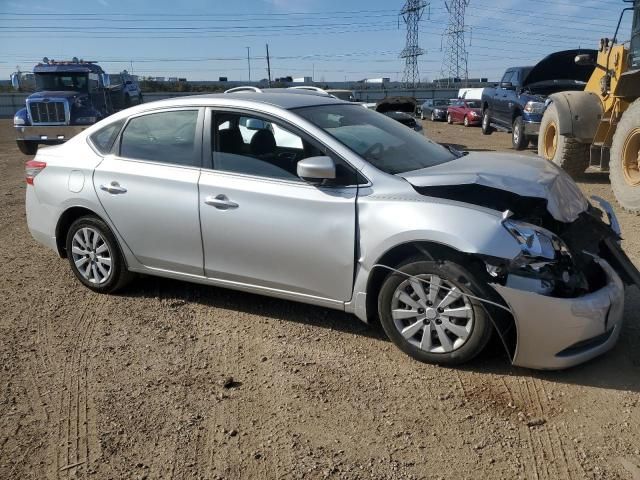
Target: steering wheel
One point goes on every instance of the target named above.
(377, 147)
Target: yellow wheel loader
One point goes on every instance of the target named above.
(600, 126)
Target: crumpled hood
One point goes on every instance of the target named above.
(518, 174)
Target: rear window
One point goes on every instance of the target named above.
(103, 139)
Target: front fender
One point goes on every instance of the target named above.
(21, 118)
(579, 114)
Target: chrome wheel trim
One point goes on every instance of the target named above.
(433, 317)
(91, 255)
(516, 134)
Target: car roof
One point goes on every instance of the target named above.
(279, 97)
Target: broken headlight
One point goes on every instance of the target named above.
(537, 244)
(544, 265)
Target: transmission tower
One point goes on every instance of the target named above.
(455, 60)
(412, 13)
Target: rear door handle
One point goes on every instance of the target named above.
(221, 202)
(114, 188)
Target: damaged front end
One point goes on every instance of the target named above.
(565, 288)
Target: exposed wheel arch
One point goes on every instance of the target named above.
(438, 251)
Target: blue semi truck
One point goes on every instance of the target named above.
(69, 97)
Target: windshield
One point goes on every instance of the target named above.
(385, 143)
(440, 103)
(76, 82)
(474, 104)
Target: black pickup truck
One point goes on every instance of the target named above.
(517, 104)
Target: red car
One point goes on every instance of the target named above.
(468, 112)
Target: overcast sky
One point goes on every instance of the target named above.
(331, 39)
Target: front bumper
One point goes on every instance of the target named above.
(556, 333)
(532, 129)
(48, 133)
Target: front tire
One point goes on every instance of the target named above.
(433, 117)
(466, 121)
(487, 129)
(95, 257)
(449, 119)
(27, 147)
(566, 152)
(624, 167)
(518, 139)
(434, 323)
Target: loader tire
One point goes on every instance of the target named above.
(624, 166)
(566, 152)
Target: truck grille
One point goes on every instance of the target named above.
(47, 112)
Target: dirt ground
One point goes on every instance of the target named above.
(137, 385)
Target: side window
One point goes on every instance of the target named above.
(256, 146)
(103, 139)
(508, 76)
(168, 137)
(260, 147)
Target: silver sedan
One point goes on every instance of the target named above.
(302, 196)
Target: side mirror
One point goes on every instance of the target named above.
(507, 85)
(584, 60)
(316, 169)
(255, 124)
(15, 81)
(106, 80)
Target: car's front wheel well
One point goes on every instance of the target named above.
(400, 254)
(64, 223)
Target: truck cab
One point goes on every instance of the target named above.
(69, 96)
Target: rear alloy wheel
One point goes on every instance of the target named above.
(624, 167)
(433, 117)
(487, 129)
(95, 257)
(466, 121)
(566, 152)
(518, 139)
(429, 317)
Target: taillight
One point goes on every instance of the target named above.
(33, 168)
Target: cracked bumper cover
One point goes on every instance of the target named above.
(556, 333)
(48, 133)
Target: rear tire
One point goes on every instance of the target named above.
(487, 129)
(518, 139)
(566, 152)
(95, 256)
(474, 331)
(624, 167)
(449, 119)
(433, 117)
(27, 147)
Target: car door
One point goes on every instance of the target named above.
(149, 188)
(262, 226)
(455, 111)
(501, 101)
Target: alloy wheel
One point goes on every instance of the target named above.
(91, 255)
(434, 317)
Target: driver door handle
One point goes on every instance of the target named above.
(221, 202)
(113, 188)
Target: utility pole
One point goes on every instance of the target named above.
(268, 66)
(249, 61)
(455, 62)
(411, 14)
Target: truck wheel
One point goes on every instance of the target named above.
(26, 147)
(624, 168)
(566, 152)
(487, 129)
(518, 139)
